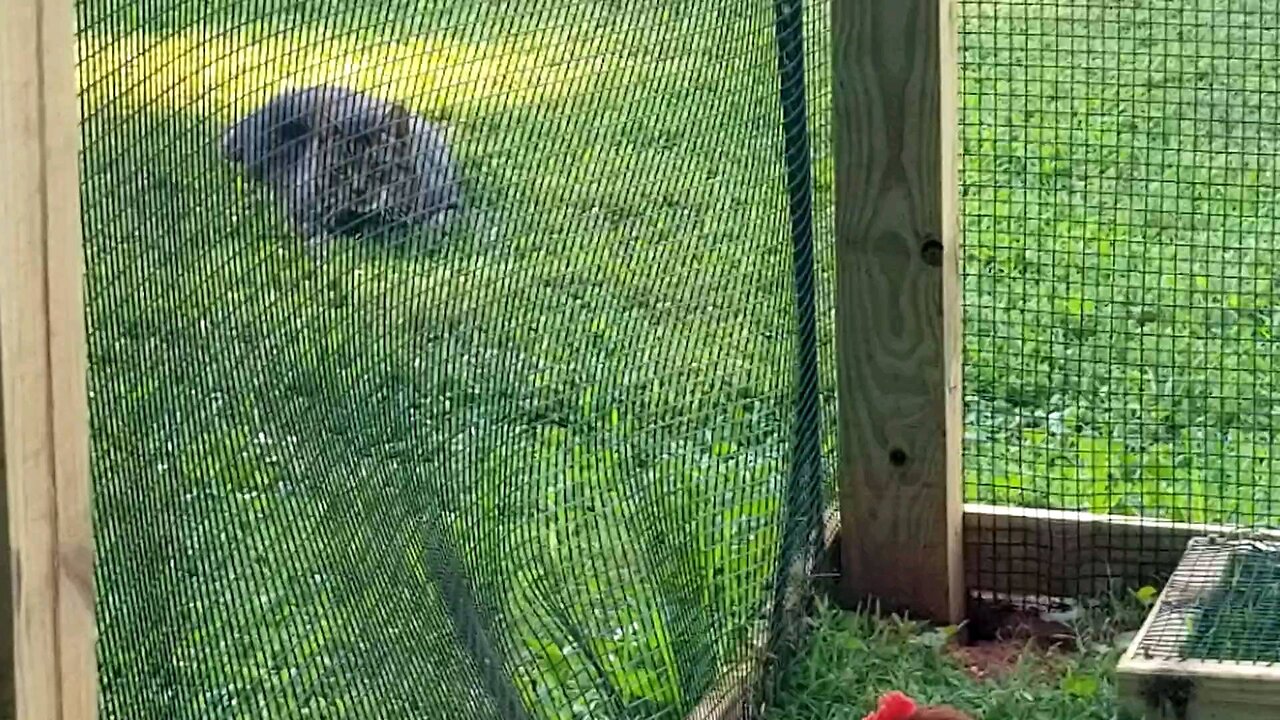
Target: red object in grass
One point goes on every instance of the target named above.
(897, 706)
(893, 706)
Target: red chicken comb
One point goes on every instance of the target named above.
(893, 706)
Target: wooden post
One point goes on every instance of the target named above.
(898, 304)
(47, 630)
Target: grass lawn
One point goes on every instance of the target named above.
(856, 657)
(588, 385)
(1121, 263)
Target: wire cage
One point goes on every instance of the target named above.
(573, 453)
(1211, 643)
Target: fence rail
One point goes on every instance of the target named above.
(47, 626)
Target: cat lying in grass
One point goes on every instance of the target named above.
(341, 161)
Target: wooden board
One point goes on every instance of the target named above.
(898, 334)
(1167, 689)
(1213, 691)
(47, 616)
(1064, 554)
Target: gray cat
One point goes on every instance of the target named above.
(341, 160)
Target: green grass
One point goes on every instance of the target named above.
(587, 386)
(1120, 293)
(856, 657)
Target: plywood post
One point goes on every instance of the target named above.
(898, 304)
(47, 633)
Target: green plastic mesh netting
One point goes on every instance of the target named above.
(557, 456)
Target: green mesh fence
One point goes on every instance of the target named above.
(553, 453)
(1121, 259)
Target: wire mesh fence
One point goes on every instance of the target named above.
(1120, 265)
(547, 441)
(490, 391)
(1220, 605)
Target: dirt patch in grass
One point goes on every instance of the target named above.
(1000, 640)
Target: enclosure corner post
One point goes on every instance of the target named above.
(47, 629)
(898, 326)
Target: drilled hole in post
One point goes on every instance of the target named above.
(931, 251)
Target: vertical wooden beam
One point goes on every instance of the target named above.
(898, 304)
(47, 626)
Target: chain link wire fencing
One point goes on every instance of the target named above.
(556, 455)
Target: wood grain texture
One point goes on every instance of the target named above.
(1065, 554)
(42, 370)
(1216, 691)
(898, 304)
(8, 636)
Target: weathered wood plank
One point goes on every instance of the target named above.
(898, 304)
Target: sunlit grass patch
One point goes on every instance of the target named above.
(592, 398)
(439, 75)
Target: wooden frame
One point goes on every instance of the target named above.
(1164, 689)
(910, 541)
(1064, 554)
(47, 645)
(1215, 691)
(898, 329)
(1054, 554)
